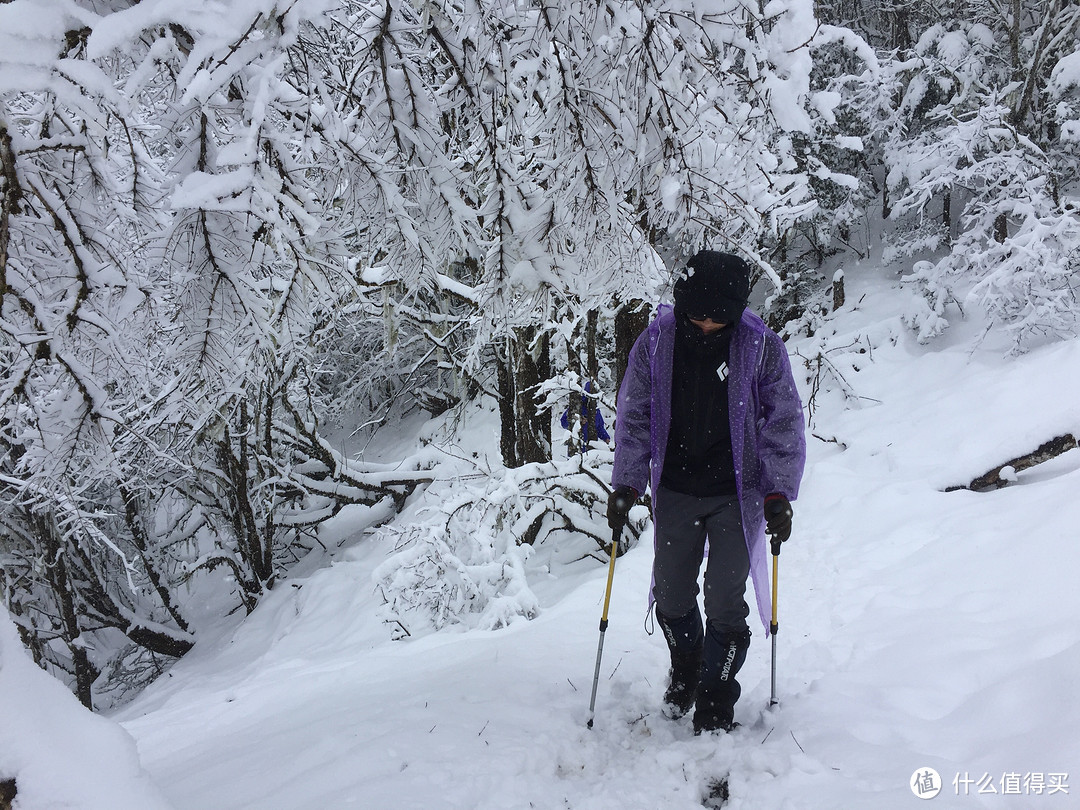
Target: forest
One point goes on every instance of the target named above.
(236, 240)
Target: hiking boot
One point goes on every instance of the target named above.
(722, 657)
(684, 637)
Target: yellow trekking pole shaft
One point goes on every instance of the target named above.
(773, 626)
(604, 622)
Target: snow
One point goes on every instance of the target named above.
(793, 29)
(671, 192)
(919, 629)
(60, 754)
(1066, 74)
(222, 191)
(845, 142)
(31, 34)
(843, 180)
(826, 102)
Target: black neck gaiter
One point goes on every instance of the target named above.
(699, 459)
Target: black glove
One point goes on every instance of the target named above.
(778, 519)
(618, 506)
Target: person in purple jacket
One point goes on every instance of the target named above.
(599, 428)
(709, 418)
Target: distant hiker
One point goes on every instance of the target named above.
(588, 403)
(708, 416)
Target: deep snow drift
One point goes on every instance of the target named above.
(62, 755)
(919, 629)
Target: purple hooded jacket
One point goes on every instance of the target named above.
(767, 432)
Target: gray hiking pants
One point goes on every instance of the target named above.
(682, 523)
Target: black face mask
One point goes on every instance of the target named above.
(699, 344)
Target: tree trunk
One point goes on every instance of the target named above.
(587, 405)
(532, 367)
(631, 319)
(141, 542)
(573, 406)
(901, 29)
(237, 469)
(507, 426)
(63, 591)
(1014, 40)
(100, 608)
(591, 328)
(1001, 228)
(525, 430)
(8, 792)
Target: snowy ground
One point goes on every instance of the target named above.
(919, 629)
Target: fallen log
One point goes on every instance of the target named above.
(992, 479)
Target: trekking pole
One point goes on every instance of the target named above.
(773, 627)
(604, 621)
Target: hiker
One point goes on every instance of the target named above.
(587, 402)
(708, 416)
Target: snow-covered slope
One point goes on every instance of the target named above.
(919, 629)
(60, 754)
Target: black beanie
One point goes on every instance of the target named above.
(717, 287)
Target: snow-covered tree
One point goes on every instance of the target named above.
(1016, 253)
(847, 104)
(947, 78)
(972, 174)
(170, 248)
(79, 196)
(224, 228)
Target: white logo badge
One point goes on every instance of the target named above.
(925, 783)
(722, 372)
